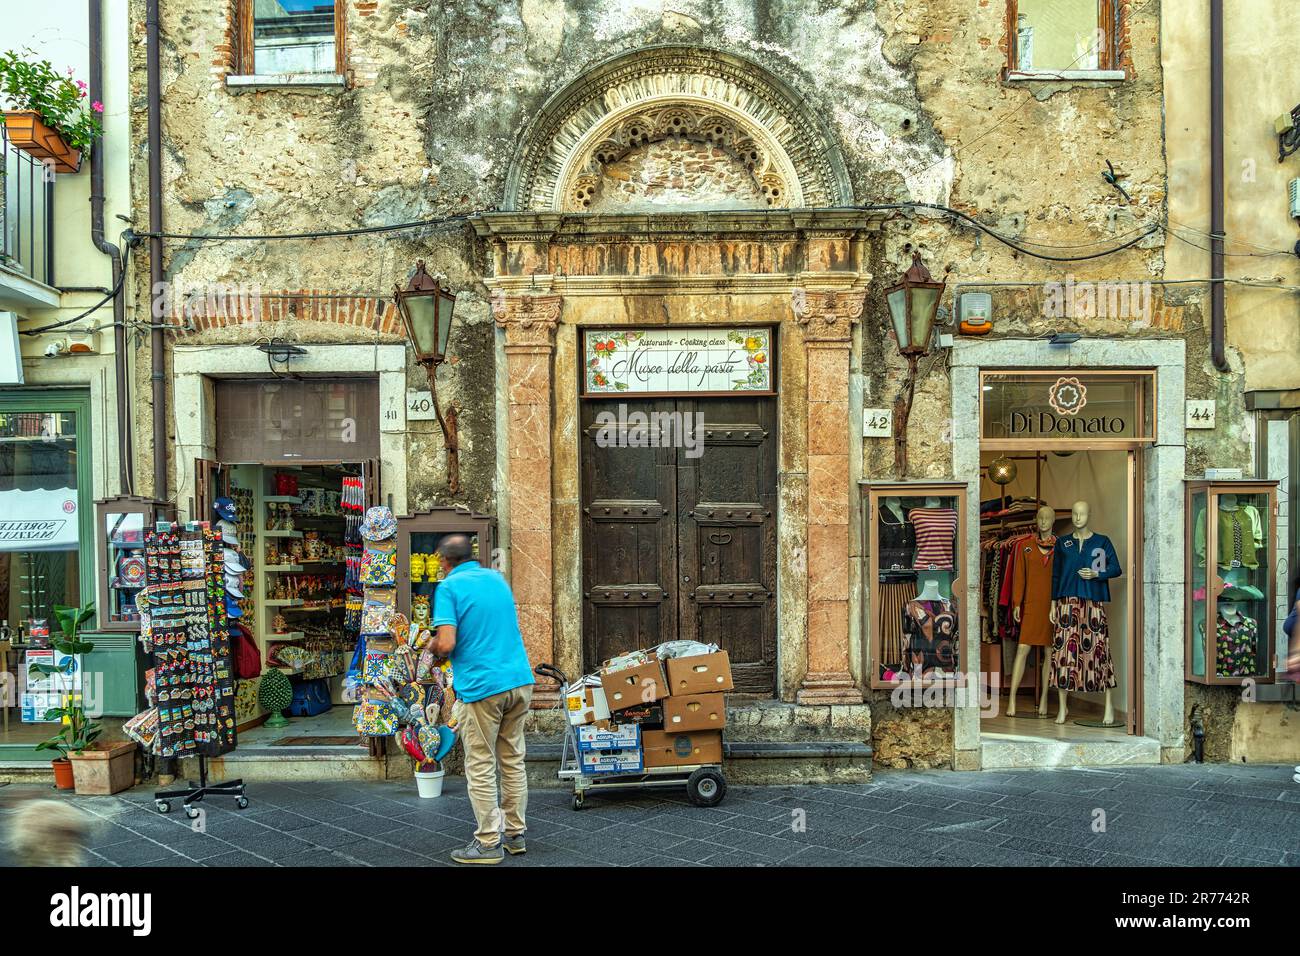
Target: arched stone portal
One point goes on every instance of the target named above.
(657, 93)
(703, 173)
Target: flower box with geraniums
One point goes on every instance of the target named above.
(45, 113)
(92, 766)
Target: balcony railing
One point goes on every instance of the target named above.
(27, 215)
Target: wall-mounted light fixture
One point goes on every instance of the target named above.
(1287, 127)
(1064, 338)
(427, 308)
(913, 304)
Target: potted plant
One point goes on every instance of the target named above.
(46, 115)
(92, 766)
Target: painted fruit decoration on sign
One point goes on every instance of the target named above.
(672, 361)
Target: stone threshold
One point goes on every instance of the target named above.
(1026, 753)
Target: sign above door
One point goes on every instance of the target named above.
(697, 361)
(1095, 406)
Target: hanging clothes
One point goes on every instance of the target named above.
(1081, 658)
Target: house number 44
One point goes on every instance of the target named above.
(1200, 414)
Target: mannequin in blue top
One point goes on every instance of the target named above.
(1082, 566)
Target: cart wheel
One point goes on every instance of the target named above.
(706, 787)
(164, 806)
(241, 802)
(192, 812)
(577, 801)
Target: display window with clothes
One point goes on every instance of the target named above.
(914, 539)
(1231, 555)
(1057, 532)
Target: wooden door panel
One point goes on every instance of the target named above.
(628, 546)
(727, 536)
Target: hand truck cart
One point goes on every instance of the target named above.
(705, 785)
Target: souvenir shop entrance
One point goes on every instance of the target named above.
(297, 529)
(1060, 555)
(298, 461)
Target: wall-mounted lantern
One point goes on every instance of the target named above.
(427, 308)
(913, 305)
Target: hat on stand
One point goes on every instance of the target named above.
(234, 585)
(225, 508)
(379, 524)
(233, 609)
(236, 562)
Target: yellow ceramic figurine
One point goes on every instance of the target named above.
(417, 568)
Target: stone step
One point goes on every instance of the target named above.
(744, 762)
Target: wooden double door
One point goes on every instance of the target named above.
(679, 530)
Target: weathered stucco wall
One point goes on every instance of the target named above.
(440, 97)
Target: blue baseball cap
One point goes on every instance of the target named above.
(225, 508)
(233, 609)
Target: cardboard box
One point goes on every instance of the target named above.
(665, 749)
(615, 737)
(701, 674)
(612, 761)
(643, 684)
(584, 702)
(695, 712)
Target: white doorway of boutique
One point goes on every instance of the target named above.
(1078, 669)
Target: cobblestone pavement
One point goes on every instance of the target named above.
(1190, 815)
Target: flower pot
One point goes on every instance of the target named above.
(29, 133)
(104, 768)
(63, 779)
(429, 784)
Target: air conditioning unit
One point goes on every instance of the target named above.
(1293, 190)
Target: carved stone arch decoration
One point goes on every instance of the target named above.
(716, 99)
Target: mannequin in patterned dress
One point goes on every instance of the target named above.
(1078, 538)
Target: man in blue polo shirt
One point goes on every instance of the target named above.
(476, 626)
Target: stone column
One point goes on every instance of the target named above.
(529, 322)
(828, 318)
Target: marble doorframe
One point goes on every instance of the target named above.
(1164, 465)
(539, 311)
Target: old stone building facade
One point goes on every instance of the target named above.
(578, 168)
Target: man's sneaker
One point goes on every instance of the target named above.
(478, 853)
(514, 845)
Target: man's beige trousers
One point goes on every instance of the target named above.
(492, 730)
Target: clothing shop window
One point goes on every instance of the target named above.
(301, 38)
(1231, 560)
(45, 510)
(1065, 38)
(915, 558)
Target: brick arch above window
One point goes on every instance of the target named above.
(657, 93)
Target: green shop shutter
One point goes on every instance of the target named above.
(116, 659)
